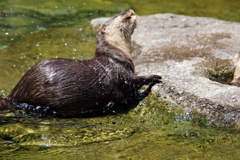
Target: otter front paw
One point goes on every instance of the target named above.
(155, 78)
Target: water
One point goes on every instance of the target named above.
(32, 31)
(153, 130)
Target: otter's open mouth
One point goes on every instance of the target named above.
(132, 20)
(133, 27)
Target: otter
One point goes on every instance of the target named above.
(236, 77)
(76, 87)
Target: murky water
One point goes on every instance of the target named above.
(31, 31)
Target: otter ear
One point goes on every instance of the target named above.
(102, 29)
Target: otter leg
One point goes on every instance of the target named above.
(139, 81)
(141, 95)
(134, 97)
(137, 96)
(132, 100)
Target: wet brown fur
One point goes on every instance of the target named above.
(77, 87)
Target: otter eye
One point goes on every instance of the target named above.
(127, 19)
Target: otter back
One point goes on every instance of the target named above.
(77, 87)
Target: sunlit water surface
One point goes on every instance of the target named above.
(31, 31)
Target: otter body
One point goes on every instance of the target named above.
(76, 87)
(72, 87)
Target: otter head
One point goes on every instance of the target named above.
(119, 28)
(116, 34)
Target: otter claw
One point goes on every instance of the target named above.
(156, 79)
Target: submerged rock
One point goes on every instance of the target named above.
(184, 50)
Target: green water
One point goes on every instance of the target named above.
(34, 30)
(153, 130)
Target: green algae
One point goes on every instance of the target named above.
(153, 130)
(224, 76)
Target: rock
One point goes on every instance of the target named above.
(183, 50)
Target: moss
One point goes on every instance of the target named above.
(224, 76)
(151, 127)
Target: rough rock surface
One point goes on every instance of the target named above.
(183, 49)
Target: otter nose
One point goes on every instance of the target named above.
(133, 18)
(132, 15)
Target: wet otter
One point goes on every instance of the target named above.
(77, 87)
(236, 78)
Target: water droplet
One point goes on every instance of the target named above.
(183, 19)
(6, 33)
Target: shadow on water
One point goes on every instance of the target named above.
(30, 32)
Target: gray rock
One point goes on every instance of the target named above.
(182, 50)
